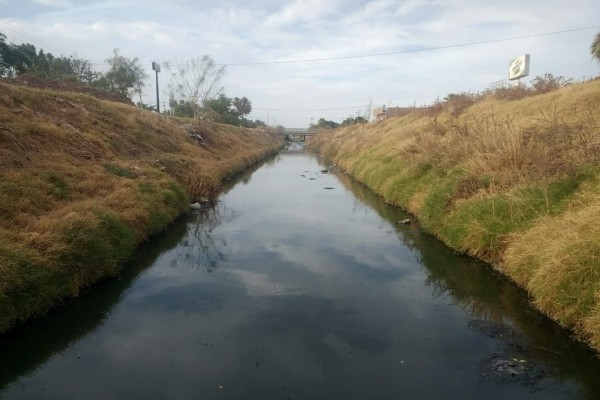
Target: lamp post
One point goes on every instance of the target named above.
(156, 68)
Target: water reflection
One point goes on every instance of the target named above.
(25, 349)
(285, 289)
(201, 248)
(489, 296)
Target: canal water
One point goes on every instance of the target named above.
(298, 284)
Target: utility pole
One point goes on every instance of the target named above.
(369, 108)
(156, 68)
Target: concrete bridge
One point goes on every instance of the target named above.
(289, 133)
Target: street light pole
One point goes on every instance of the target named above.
(156, 67)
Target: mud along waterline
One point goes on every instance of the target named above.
(297, 284)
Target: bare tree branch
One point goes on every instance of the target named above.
(195, 80)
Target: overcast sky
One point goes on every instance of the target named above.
(433, 44)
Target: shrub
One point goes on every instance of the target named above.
(548, 83)
(456, 103)
(512, 93)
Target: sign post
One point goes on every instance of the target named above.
(156, 68)
(519, 67)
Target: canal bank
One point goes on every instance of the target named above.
(84, 181)
(514, 182)
(298, 283)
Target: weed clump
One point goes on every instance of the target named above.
(119, 171)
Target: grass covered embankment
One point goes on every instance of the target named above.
(515, 183)
(83, 181)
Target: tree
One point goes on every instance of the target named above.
(180, 108)
(82, 69)
(195, 81)
(21, 57)
(353, 120)
(26, 59)
(125, 76)
(220, 109)
(149, 107)
(46, 66)
(243, 106)
(4, 66)
(324, 124)
(595, 48)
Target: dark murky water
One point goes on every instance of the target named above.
(286, 290)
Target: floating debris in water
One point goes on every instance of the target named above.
(327, 188)
(405, 221)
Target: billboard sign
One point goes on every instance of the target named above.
(519, 67)
(155, 66)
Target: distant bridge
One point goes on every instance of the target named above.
(289, 133)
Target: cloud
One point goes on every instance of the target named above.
(54, 3)
(267, 30)
(300, 11)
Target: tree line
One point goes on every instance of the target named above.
(323, 123)
(194, 91)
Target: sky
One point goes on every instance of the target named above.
(298, 61)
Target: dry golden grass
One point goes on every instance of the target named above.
(512, 182)
(83, 181)
(558, 261)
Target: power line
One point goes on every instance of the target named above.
(425, 49)
(450, 46)
(310, 109)
(27, 36)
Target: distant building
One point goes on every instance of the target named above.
(381, 113)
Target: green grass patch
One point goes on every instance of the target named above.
(482, 224)
(181, 198)
(163, 204)
(579, 288)
(119, 171)
(27, 195)
(59, 187)
(142, 135)
(361, 165)
(402, 187)
(381, 172)
(102, 242)
(146, 188)
(438, 202)
(22, 290)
